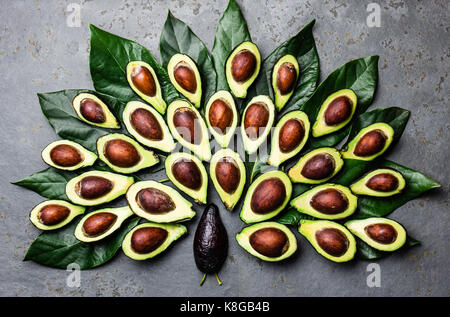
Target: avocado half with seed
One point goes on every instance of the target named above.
(143, 80)
(269, 241)
(94, 111)
(370, 142)
(335, 112)
(97, 187)
(290, 136)
(187, 173)
(257, 121)
(331, 240)
(317, 166)
(188, 128)
(54, 214)
(382, 182)
(221, 117)
(266, 197)
(124, 155)
(67, 155)
(158, 203)
(285, 74)
(242, 68)
(328, 201)
(380, 233)
(100, 224)
(149, 239)
(147, 126)
(227, 172)
(185, 77)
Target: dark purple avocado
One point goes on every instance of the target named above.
(210, 242)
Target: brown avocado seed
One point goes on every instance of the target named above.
(383, 182)
(329, 201)
(53, 214)
(154, 201)
(92, 111)
(121, 153)
(286, 78)
(243, 65)
(370, 143)
(147, 239)
(318, 167)
(290, 136)
(220, 115)
(382, 233)
(65, 155)
(143, 80)
(187, 173)
(185, 77)
(98, 223)
(268, 196)
(188, 126)
(92, 187)
(228, 174)
(255, 119)
(333, 241)
(146, 124)
(270, 242)
(338, 110)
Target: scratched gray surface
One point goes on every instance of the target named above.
(40, 53)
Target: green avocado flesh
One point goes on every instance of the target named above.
(285, 74)
(94, 111)
(269, 241)
(380, 233)
(382, 182)
(54, 214)
(331, 240)
(67, 155)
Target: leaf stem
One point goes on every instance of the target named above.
(218, 280)
(203, 279)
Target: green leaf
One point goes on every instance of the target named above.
(108, 60)
(303, 47)
(231, 31)
(292, 217)
(255, 166)
(177, 37)
(366, 252)
(60, 248)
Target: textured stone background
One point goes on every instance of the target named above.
(39, 53)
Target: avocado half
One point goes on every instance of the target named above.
(290, 136)
(147, 126)
(94, 111)
(97, 187)
(335, 112)
(99, 224)
(328, 201)
(370, 142)
(261, 117)
(180, 106)
(285, 74)
(380, 233)
(185, 77)
(266, 197)
(316, 166)
(227, 172)
(221, 117)
(67, 155)
(382, 182)
(158, 203)
(242, 68)
(149, 239)
(143, 80)
(124, 155)
(268, 241)
(54, 214)
(331, 240)
(187, 173)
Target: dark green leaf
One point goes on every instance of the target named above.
(255, 167)
(292, 217)
(60, 248)
(177, 37)
(366, 252)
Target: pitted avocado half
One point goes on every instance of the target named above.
(185, 77)
(188, 173)
(54, 214)
(285, 73)
(227, 172)
(382, 182)
(158, 203)
(187, 127)
(328, 201)
(94, 111)
(257, 120)
(266, 197)
(147, 126)
(380, 233)
(144, 82)
(124, 155)
(335, 113)
(290, 136)
(370, 142)
(269, 241)
(67, 155)
(149, 239)
(242, 68)
(317, 166)
(97, 187)
(221, 117)
(99, 224)
(331, 240)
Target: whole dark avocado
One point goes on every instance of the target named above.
(210, 242)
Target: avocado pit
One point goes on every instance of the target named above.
(92, 187)
(65, 155)
(339, 110)
(187, 173)
(286, 77)
(383, 182)
(92, 111)
(370, 143)
(329, 201)
(228, 174)
(268, 196)
(53, 214)
(220, 115)
(146, 124)
(185, 77)
(383, 233)
(243, 65)
(256, 119)
(98, 223)
(187, 125)
(143, 80)
(154, 201)
(333, 241)
(290, 136)
(319, 167)
(270, 242)
(121, 153)
(148, 239)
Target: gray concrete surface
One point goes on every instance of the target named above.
(40, 53)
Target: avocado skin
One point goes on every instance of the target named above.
(210, 241)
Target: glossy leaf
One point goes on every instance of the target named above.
(292, 217)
